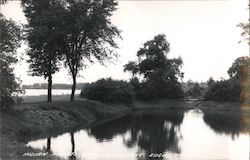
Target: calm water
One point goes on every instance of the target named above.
(139, 136)
(38, 92)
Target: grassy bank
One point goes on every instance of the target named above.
(32, 120)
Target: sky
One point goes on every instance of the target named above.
(203, 33)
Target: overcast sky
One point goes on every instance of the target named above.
(203, 33)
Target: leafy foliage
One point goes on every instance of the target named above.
(233, 89)
(42, 33)
(239, 68)
(10, 34)
(224, 90)
(160, 73)
(245, 31)
(109, 90)
(88, 33)
(195, 90)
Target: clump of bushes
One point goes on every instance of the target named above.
(109, 91)
(153, 89)
(150, 90)
(224, 90)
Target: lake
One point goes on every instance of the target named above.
(39, 92)
(169, 135)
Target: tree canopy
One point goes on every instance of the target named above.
(160, 73)
(42, 35)
(239, 68)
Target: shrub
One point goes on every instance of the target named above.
(109, 90)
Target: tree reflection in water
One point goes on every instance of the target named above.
(153, 133)
(72, 156)
(48, 149)
(229, 124)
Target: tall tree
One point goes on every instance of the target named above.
(44, 19)
(88, 34)
(10, 34)
(160, 73)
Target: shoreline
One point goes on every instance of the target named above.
(33, 119)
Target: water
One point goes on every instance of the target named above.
(140, 136)
(39, 92)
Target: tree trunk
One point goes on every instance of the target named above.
(72, 156)
(73, 89)
(49, 88)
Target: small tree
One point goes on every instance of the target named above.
(10, 34)
(88, 33)
(160, 73)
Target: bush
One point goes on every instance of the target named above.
(109, 90)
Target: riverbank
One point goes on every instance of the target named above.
(36, 119)
(33, 120)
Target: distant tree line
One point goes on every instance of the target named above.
(54, 86)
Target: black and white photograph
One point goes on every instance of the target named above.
(124, 79)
